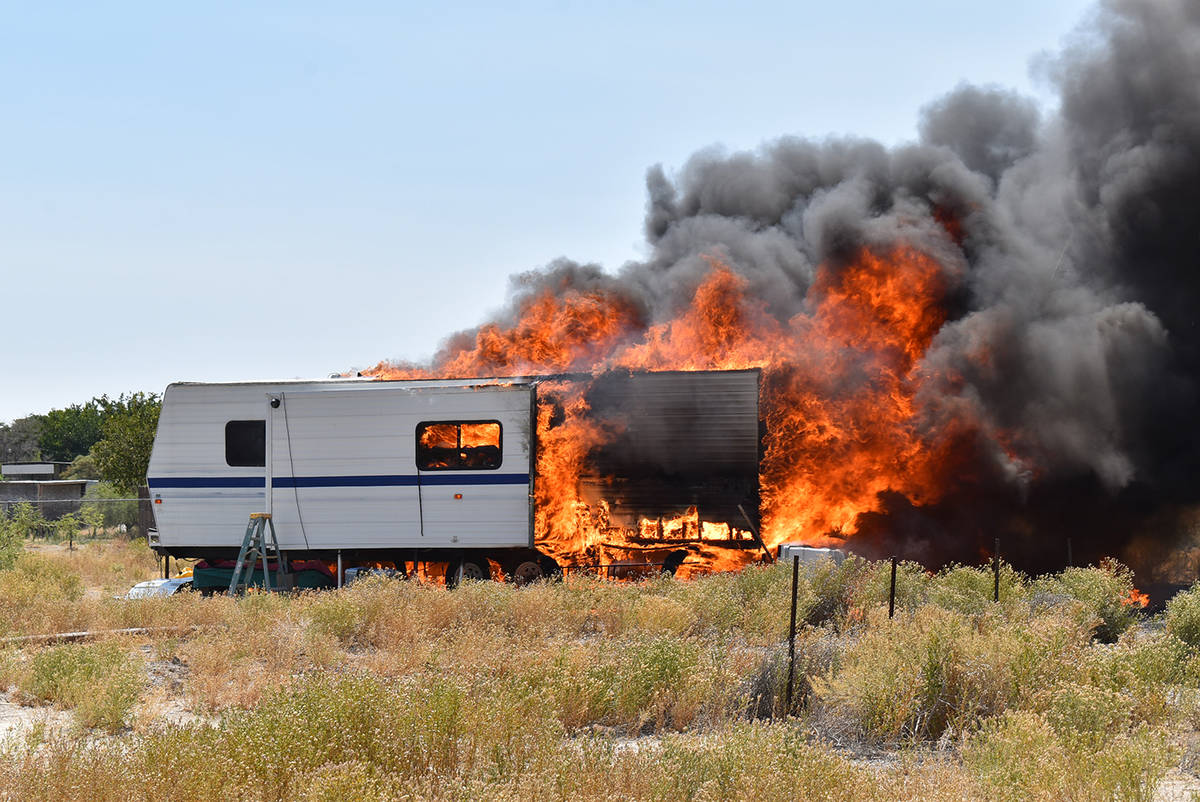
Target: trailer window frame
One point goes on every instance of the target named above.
(487, 457)
(246, 443)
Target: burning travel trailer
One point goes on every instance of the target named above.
(986, 333)
(840, 394)
(669, 466)
(467, 473)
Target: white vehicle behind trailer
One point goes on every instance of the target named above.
(375, 471)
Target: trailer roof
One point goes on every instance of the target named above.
(448, 382)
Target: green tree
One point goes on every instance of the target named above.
(111, 504)
(68, 433)
(93, 516)
(19, 439)
(26, 519)
(11, 542)
(82, 467)
(123, 454)
(67, 526)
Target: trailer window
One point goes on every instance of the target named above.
(458, 445)
(246, 443)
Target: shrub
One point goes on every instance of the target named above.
(40, 595)
(11, 543)
(335, 615)
(1018, 756)
(818, 652)
(393, 689)
(35, 576)
(968, 589)
(27, 519)
(1183, 615)
(902, 677)
(99, 681)
(424, 727)
(754, 601)
(912, 585)
(11, 666)
(1104, 591)
(651, 674)
(918, 675)
(583, 686)
(112, 564)
(261, 644)
(748, 762)
(1086, 714)
(640, 683)
(827, 590)
(1147, 669)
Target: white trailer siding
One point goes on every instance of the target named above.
(344, 471)
(197, 497)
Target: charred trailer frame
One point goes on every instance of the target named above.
(682, 440)
(361, 472)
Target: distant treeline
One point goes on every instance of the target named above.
(104, 438)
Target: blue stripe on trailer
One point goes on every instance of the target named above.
(407, 480)
(207, 481)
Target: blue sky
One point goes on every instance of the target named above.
(228, 191)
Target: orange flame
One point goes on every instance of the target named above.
(840, 396)
(1135, 598)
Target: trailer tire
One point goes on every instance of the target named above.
(525, 572)
(474, 568)
(477, 568)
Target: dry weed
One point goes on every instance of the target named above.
(588, 689)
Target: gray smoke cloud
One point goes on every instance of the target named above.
(1077, 267)
(989, 128)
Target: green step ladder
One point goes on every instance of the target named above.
(260, 542)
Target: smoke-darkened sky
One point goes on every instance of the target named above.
(272, 190)
(1065, 365)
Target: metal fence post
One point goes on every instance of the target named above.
(996, 571)
(892, 592)
(792, 634)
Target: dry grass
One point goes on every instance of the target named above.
(107, 565)
(594, 690)
(100, 682)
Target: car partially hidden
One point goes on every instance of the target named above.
(160, 587)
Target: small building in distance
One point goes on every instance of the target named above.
(33, 471)
(38, 483)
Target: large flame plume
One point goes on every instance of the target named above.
(989, 332)
(841, 380)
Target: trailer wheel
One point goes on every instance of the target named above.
(475, 568)
(525, 572)
(673, 560)
(551, 569)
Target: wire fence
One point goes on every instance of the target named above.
(55, 516)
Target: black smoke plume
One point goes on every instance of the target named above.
(1077, 249)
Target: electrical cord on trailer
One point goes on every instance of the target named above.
(292, 466)
(420, 509)
(420, 500)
